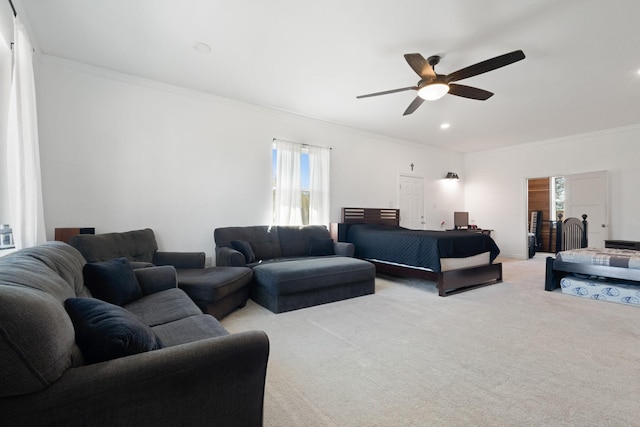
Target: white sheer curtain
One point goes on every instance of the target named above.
(23, 154)
(319, 170)
(287, 208)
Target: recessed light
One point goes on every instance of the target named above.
(202, 47)
(445, 126)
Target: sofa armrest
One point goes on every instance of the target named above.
(156, 279)
(344, 248)
(218, 380)
(226, 256)
(180, 259)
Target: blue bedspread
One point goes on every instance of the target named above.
(418, 248)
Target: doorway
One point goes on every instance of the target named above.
(411, 197)
(571, 195)
(540, 215)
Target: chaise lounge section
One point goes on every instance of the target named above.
(295, 267)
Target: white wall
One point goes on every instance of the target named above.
(496, 189)
(120, 153)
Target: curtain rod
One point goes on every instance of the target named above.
(301, 143)
(13, 8)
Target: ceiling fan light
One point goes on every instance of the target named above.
(433, 91)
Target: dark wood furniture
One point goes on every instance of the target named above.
(571, 233)
(551, 241)
(64, 234)
(474, 230)
(448, 282)
(622, 244)
(535, 228)
(557, 269)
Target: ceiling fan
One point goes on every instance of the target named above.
(434, 86)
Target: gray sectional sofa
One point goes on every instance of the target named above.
(294, 267)
(216, 290)
(69, 359)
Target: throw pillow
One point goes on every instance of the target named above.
(106, 331)
(320, 246)
(244, 248)
(112, 281)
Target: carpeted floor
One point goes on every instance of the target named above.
(509, 354)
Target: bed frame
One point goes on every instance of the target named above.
(572, 234)
(556, 270)
(448, 282)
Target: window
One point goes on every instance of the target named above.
(557, 196)
(304, 183)
(300, 181)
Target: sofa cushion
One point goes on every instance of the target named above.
(244, 248)
(290, 277)
(106, 331)
(37, 342)
(163, 307)
(189, 329)
(112, 281)
(54, 268)
(320, 246)
(36, 338)
(212, 284)
(294, 240)
(136, 245)
(264, 239)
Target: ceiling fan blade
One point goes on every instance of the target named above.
(413, 106)
(387, 92)
(420, 65)
(469, 92)
(485, 66)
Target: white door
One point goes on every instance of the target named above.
(411, 196)
(586, 193)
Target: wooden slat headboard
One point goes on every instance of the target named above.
(371, 216)
(571, 233)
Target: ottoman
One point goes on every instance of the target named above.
(217, 290)
(289, 285)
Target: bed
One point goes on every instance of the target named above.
(456, 260)
(598, 273)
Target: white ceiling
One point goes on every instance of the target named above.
(313, 57)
